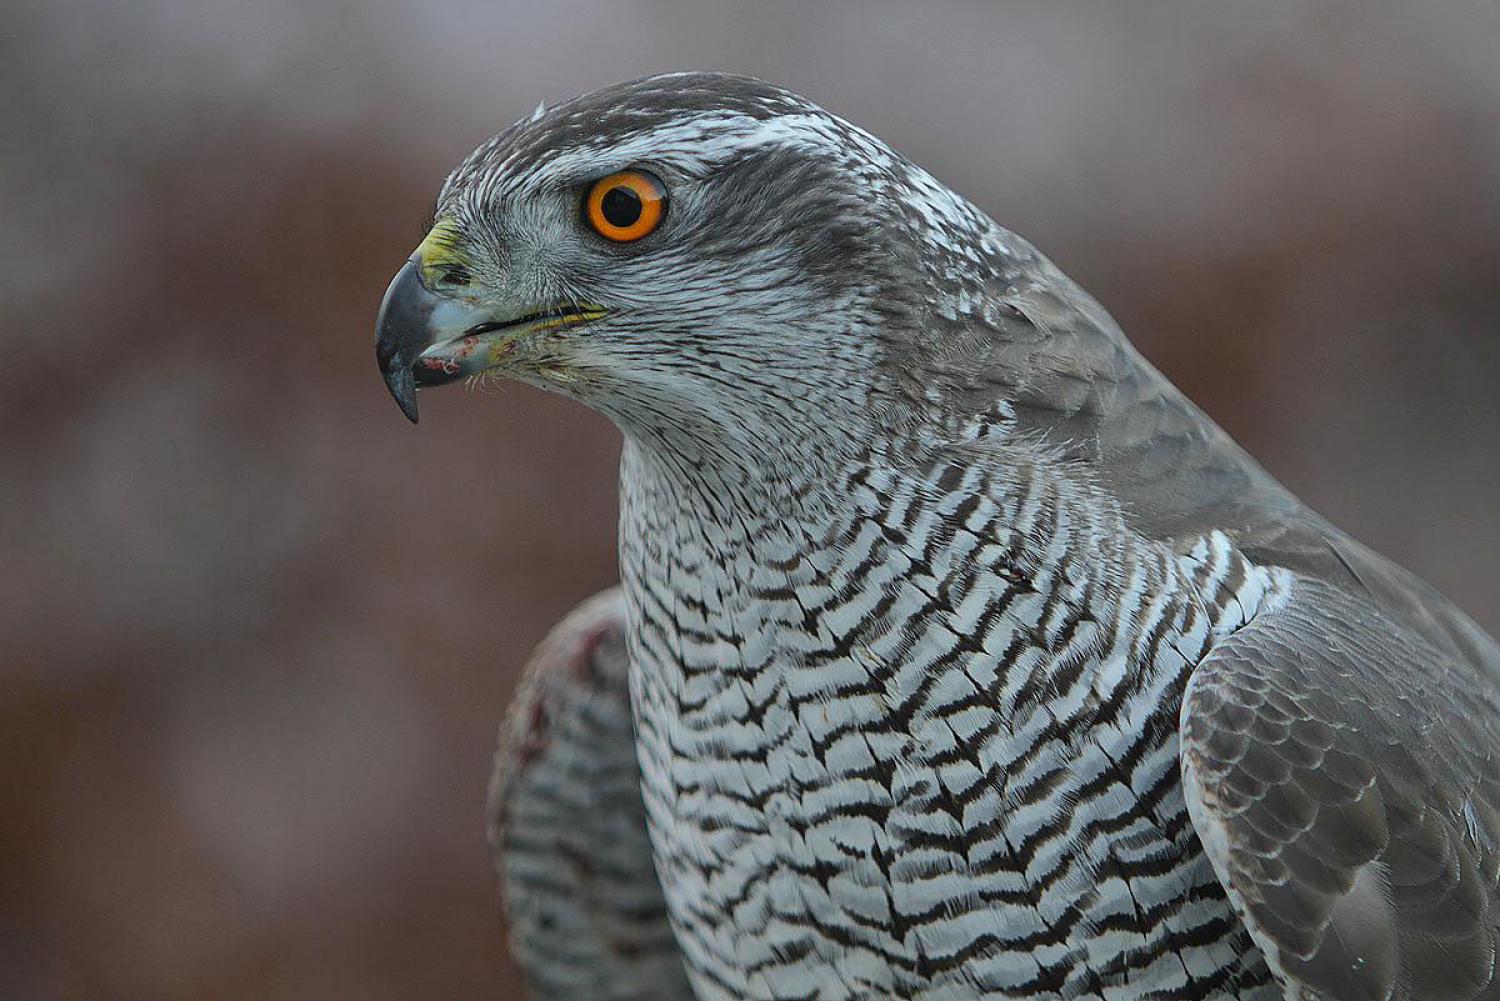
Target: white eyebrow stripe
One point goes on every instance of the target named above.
(704, 139)
(694, 145)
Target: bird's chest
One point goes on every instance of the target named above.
(876, 763)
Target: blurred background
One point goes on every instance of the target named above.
(258, 630)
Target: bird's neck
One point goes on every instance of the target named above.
(742, 562)
(706, 473)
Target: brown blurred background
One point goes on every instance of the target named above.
(257, 630)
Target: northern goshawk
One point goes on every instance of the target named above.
(966, 657)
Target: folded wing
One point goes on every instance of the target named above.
(1344, 777)
(568, 829)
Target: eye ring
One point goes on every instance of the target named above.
(625, 206)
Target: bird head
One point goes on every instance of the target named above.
(693, 254)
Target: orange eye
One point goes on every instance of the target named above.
(625, 206)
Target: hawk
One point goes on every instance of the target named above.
(964, 657)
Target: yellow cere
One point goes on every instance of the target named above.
(439, 250)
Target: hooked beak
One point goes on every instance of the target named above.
(402, 333)
(426, 339)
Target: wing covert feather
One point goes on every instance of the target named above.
(1344, 777)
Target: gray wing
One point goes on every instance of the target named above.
(568, 829)
(1343, 774)
(1062, 366)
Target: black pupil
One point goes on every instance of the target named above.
(621, 206)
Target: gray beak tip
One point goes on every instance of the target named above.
(399, 380)
(404, 390)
